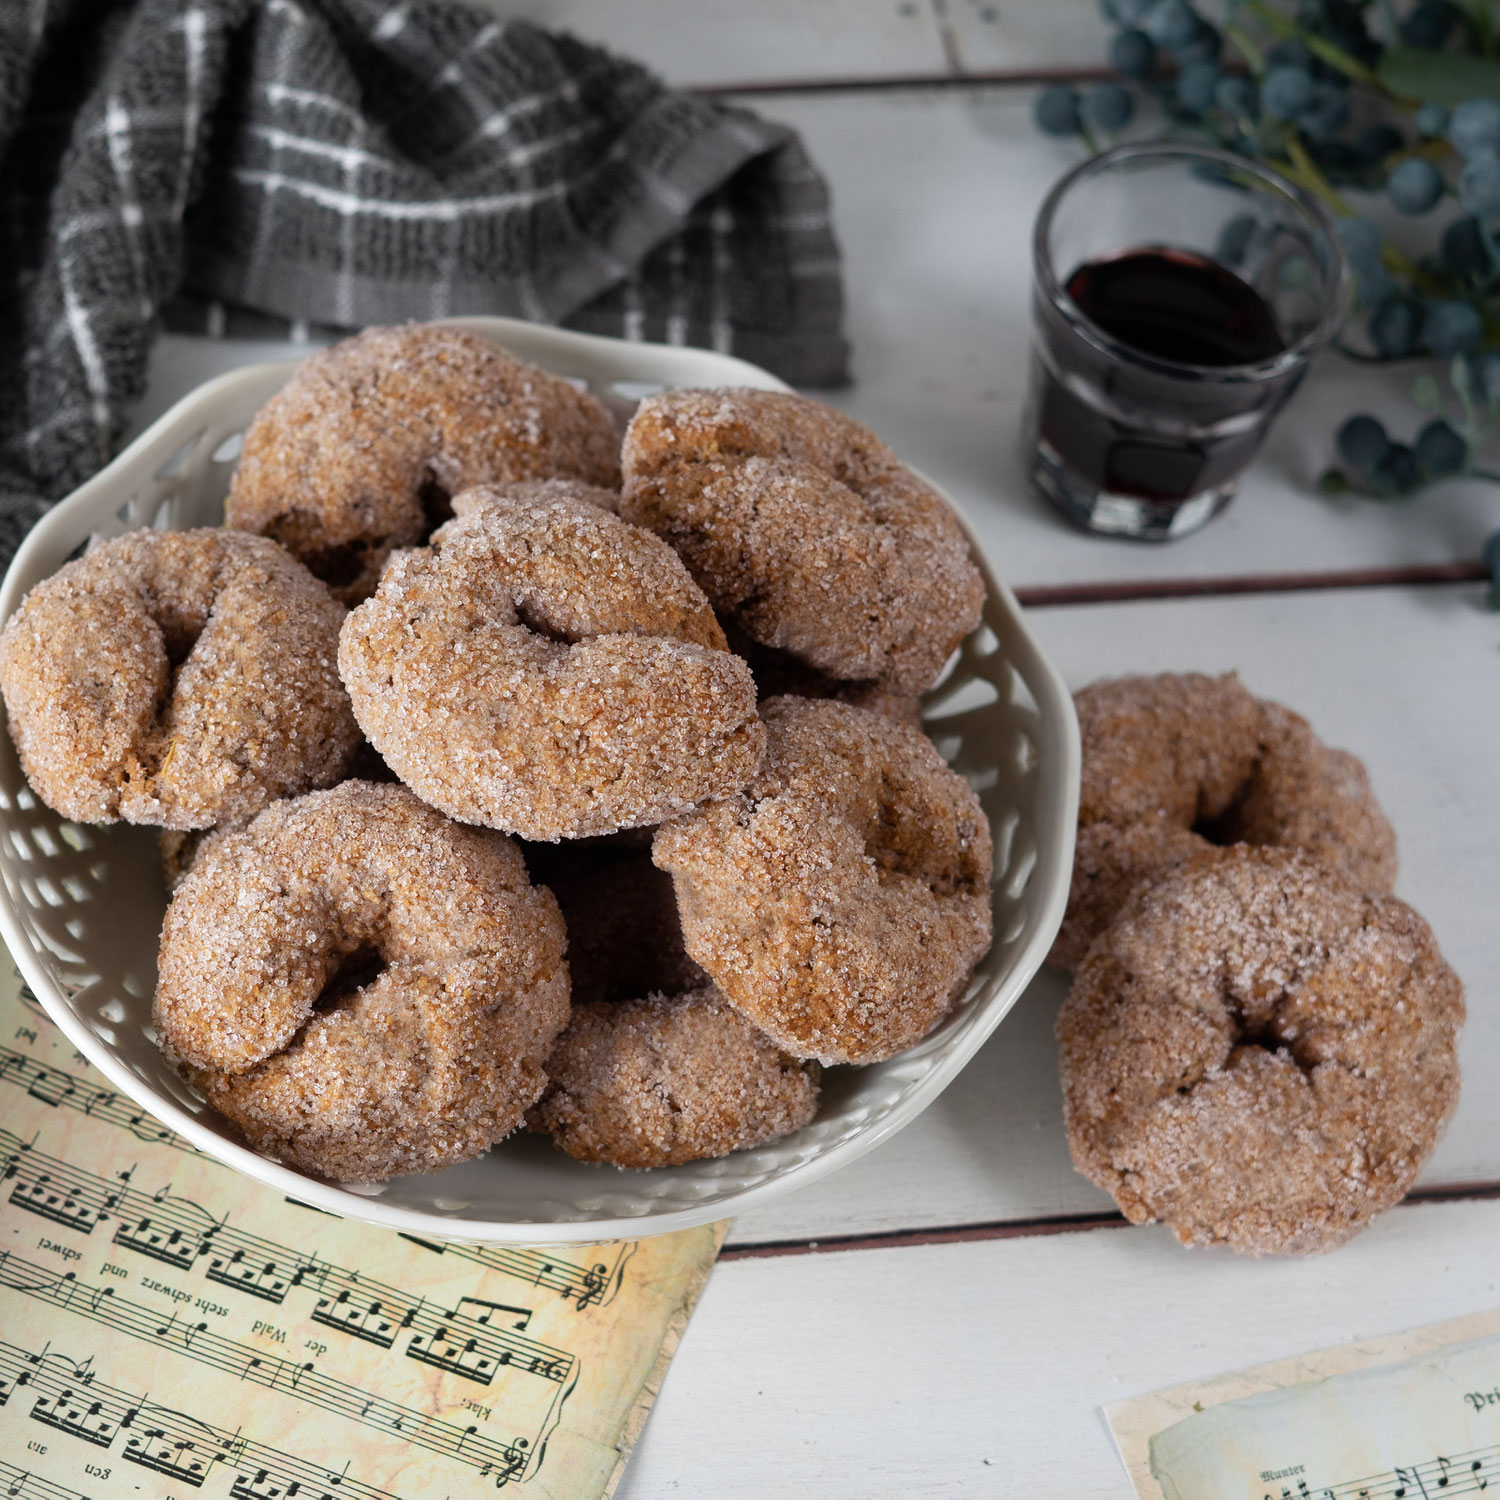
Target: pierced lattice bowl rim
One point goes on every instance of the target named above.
(76, 903)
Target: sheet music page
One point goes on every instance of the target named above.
(1413, 1416)
(170, 1328)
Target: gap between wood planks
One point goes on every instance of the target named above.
(876, 82)
(1053, 595)
(1016, 1229)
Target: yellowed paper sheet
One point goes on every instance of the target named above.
(1410, 1416)
(169, 1328)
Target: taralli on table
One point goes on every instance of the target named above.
(549, 669)
(363, 986)
(180, 678)
(1259, 1054)
(667, 1079)
(806, 532)
(1178, 763)
(363, 448)
(842, 899)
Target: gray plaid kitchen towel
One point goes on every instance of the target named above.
(241, 166)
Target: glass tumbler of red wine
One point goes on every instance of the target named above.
(1179, 293)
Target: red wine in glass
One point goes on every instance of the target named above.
(1175, 307)
(1157, 362)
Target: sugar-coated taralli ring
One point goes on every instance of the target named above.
(842, 899)
(270, 914)
(546, 668)
(178, 850)
(1259, 1054)
(805, 531)
(667, 1079)
(181, 678)
(363, 447)
(361, 985)
(1176, 763)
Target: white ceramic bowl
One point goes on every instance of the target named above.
(81, 907)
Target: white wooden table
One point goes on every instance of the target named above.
(947, 1316)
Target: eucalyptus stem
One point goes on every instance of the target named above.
(1366, 492)
(1334, 55)
(1305, 174)
(1254, 57)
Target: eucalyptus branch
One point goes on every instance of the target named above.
(1395, 96)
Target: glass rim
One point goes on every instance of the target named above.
(1293, 354)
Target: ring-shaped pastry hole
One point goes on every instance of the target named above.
(436, 500)
(1266, 1031)
(1224, 828)
(357, 970)
(532, 613)
(338, 567)
(892, 840)
(180, 631)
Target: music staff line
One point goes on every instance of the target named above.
(60, 1089)
(1436, 1478)
(178, 1232)
(22, 1484)
(162, 1439)
(243, 1362)
(585, 1286)
(596, 1286)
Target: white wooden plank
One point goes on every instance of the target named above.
(934, 194)
(979, 1369)
(1003, 36)
(714, 43)
(702, 43)
(1405, 677)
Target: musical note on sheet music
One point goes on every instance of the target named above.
(160, 1437)
(61, 1090)
(22, 1484)
(1435, 1479)
(588, 1286)
(178, 1233)
(585, 1285)
(139, 1305)
(245, 1362)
